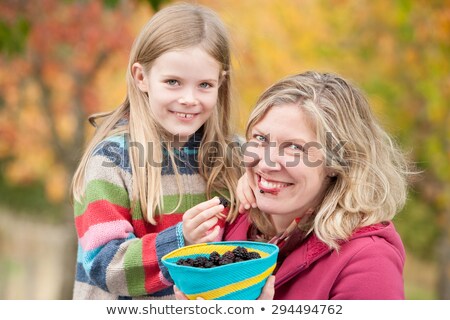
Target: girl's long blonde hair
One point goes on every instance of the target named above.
(370, 182)
(172, 28)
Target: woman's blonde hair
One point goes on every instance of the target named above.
(175, 27)
(369, 172)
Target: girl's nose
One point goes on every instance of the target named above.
(188, 99)
(188, 102)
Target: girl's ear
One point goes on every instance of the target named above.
(139, 76)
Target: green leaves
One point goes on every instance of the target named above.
(13, 36)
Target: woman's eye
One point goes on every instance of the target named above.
(260, 138)
(205, 85)
(295, 147)
(172, 82)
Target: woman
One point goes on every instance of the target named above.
(327, 180)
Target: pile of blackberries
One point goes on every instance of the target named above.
(215, 259)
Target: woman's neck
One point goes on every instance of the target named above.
(282, 222)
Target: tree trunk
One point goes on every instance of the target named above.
(443, 286)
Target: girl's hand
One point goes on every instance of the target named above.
(199, 222)
(245, 194)
(178, 294)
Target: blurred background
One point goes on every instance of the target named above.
(63, 60)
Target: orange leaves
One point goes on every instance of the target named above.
(49, 91)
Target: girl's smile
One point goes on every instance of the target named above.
(185, 116)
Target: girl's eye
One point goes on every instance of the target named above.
(205, 85)
(172, 82)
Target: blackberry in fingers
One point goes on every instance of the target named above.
(223, 202)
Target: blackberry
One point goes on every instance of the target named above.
(200, 261)
(228, 256)
(241, 252)
(208, 264)
(223, 262)
(214, 257)
(254, 255)
(223, 202)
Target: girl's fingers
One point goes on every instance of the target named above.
(245, 193)
(203, 216)
(211, 236)
(203, 228)
(220, 215)
(202, 207)
(178, 294)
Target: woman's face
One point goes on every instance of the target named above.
(286, 164)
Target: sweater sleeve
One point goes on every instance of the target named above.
(375, 272)
(110, 254)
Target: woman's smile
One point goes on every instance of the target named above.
(271, 186)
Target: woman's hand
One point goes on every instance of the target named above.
(245, 194)
(200, 222)
(267, 292)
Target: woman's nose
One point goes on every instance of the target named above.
(269, 159)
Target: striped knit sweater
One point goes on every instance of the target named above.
(119, 253)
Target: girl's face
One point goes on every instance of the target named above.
(182, 88)
(287, 165)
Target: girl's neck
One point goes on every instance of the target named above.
(178, 142)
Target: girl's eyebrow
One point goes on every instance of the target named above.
(171, 76)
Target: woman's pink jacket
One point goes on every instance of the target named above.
(369, 266)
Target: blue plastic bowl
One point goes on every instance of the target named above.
(235, 281)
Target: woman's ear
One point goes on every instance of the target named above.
(139, 76)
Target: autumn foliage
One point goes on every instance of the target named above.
(63, 60)
(50, 87)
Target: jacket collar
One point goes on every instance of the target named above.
(312, 250)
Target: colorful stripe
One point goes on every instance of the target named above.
(102, 233)
(102, 190)
(110, 212)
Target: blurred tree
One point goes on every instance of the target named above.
(53, 55)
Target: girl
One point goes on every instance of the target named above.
(153, 158)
